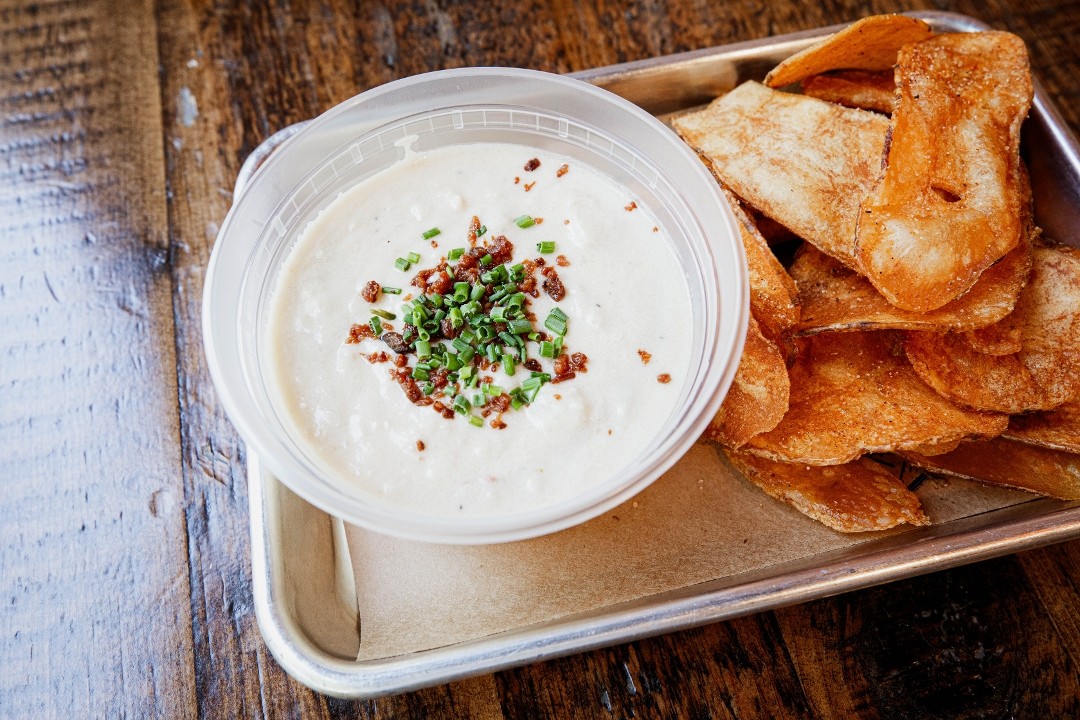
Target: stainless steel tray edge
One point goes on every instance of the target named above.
(334, 672)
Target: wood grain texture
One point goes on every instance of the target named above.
(124, 554)
(92, 544)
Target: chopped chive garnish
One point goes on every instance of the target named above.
(498, 314)
(428, 234)
(455, 254)
(519, 326)
(477, 292)
(545, 248)
(391, 290)
(547, 349)
(413, 257)
(384, 314)
(420, 373)
(376, 326)
(481, 231)
(556, 324)
(508, 363)
(477, 421)
(493, 390)
(486, 260)
(423, 349)
(461, 405)
(524, 221)
(558, 313)
(402, 264)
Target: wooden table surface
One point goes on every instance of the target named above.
(124, 554)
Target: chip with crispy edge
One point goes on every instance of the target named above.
(1058, 428)
(1046, 371)
(949, 205)
(855, 393)
(1008, 463)
(863, 89)
(867, 44)
(758, 397)
(854, 497)
(833, 297)
(774, 299)
(805, 163)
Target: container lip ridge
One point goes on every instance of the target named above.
(724, 328)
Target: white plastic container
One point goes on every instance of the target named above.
(474, 105)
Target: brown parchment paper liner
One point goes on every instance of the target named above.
(701, 521)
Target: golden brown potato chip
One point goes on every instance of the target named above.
(935, 448)
(1002, 338)
(854, 393)
(803, 162)
(1046, 371)
(949, 205)
(774, 299)
(855, 497)
(867, 44)
(1010, 464)
(1058, 428)
(863, 89)
(833, 297)
(758, 397)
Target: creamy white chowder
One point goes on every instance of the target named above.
(624, 292)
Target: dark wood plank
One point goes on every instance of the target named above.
(93, 562)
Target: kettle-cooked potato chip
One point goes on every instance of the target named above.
(855, 393)
(834, 297)
(803, 162)
(1058, 428)
(949, 205)
(1010, 464)
(867, 44)
(774, 299)
(863, 89)
(1045, 372)
(758, 397)
(854, 497)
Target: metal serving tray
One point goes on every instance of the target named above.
(305, 596)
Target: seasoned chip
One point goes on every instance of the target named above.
(1058, 428)
(854, 393)
(1046, 371)
(867, 44)
(855, 497)
(834, 297)
(949, 205)
(1010, 464)
(863, 89)
(774, 299)
(803, 162)
(1001, 338)
(758, 397)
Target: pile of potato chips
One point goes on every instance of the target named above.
(923, 313)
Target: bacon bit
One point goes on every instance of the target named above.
(645, 357)
(474, 227)
(578, 362)
(387, 326)
(529, 186)
(371, 291)
(517, 180)
(663, 378)
(500, 404)
(377, 357)
(407, 298)
(397, 343)
(565, 222)
(562, 171)
(358, 333)
(557, 396)
(497, 423)
(501, 250)
(609, 431)
(420, 445)
(532, 364)
(538, 221)
(631, 207)
(532, 164)
(434, 244)
(655, 229)
(400, 361)
(561, 261)
(553, 285)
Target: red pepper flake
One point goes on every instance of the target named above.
(645, 357)
(561, 261)
(663, 378)
(538, 221)
(562, 171)
(529, 186)
(631, 207)
(371, 291)
(420, 445)
(434, 244)
(532, 164)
